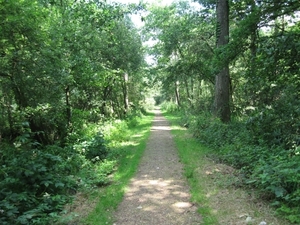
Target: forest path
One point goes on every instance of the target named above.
(159, 193)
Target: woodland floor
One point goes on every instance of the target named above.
(158, 194)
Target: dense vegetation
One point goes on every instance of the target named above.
(261, 133)
(68, 67)
(66, 73)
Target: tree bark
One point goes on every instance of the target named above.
(68, 106)
(177, 94)
(188, 95)
(222, 85)
(125, 93)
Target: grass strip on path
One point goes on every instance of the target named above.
(192, 155)
(131, 151)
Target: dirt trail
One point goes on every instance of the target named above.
(158, 194)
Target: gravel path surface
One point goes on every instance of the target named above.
(158, 194)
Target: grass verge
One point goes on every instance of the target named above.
(130, 152)
(96, 206)
(193, 158)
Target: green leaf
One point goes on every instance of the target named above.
(28, 173)
(46, 183)
(59, 184)
(279, 192)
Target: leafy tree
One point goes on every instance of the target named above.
(60, 62)
(263, 90)
(183, 49)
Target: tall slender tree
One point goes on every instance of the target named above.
(222, 83)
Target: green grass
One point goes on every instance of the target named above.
(130, 152)
(192, 155)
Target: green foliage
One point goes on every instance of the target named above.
(116, 130)
(127, 155)
(278, 178)
(37, 181)
(169, 106)
(278, 124)
(95, 149)
(263, 138)
(184, 50)
(34, 185)
(96, 174)
(62, 65)
(270, 168)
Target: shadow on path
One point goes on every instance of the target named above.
(158, 194)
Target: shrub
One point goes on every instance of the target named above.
(278, 178)
(169, 107)
(278, 123)
(33, 186)
(115, 130)
(96, 174)
(264, 163)
(96, 149)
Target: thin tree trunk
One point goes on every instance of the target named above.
(7, 105)
(177, 94)
(253, 49)
(125, 93)
(188, 92)
(68, 105)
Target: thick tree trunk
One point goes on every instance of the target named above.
(222, 95)
(222, 85)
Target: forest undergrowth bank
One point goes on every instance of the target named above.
(270, 170)
(38, 181)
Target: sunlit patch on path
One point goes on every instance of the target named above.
(158, 194)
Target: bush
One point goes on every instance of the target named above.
(216, 134)
(277, 124)
(169, 107)
(115, 130)
(36, 182)
(96, 174)
(263, 162)
(96, 149)
(33, 186)
(278, 178)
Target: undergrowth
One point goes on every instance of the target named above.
(36, 181)
(129, 148)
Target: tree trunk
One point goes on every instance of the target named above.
(125, 93)
(7, 104)
(253, 49)
(188, 95)
(177, 94)
(68, 106)
(222, 85)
